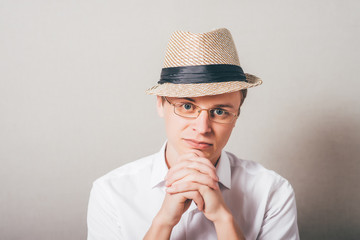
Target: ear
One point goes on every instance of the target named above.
(160, 106)
(234, 123)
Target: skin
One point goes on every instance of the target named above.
(194, 146)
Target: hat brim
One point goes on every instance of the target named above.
(203, 89)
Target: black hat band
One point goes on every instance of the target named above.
(202, 74)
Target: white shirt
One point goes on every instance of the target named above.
(124, 202)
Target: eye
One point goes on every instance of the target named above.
(219, 112)
(187, 106)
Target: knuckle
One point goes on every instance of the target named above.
(197, 194)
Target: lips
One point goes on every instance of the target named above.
(197, 144)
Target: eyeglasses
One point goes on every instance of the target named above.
(189, 110)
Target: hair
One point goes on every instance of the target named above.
(243, 93)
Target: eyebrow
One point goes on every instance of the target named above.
(224, 106)
(189, 99)
(215, 106)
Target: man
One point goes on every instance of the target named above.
(192, 188)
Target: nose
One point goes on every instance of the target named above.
(202, 123)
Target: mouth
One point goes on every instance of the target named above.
(198, 144)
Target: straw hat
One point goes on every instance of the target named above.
(202, 64)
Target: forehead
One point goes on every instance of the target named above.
(229, 99)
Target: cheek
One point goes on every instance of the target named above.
(223, 135)
(174, 125)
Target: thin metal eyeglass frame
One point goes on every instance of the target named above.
(235, 116)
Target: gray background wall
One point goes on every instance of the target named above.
(72, 102)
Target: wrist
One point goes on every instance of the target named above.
(159, 230)
(163, 220)
(226, 227)
(223, 218)
(223, 214)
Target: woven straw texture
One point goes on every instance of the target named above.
(193, 49)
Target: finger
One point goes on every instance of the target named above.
(199, 166)
(196, 197)
(191, 167)
(204, 169)
(177, 175)
(198, 178)
(203, 160)
(185, 187)
(195, 157)
(186, 156)
(186, 159)
(178, 166)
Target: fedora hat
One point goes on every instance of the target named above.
(202, 64)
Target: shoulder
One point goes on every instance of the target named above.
(256, 175)
(268, 197)
(127, 173)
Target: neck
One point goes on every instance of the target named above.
(170, 156)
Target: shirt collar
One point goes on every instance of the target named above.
(223, 170)
(159, 169)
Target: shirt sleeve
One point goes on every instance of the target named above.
(101, 218)
(280, 220)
